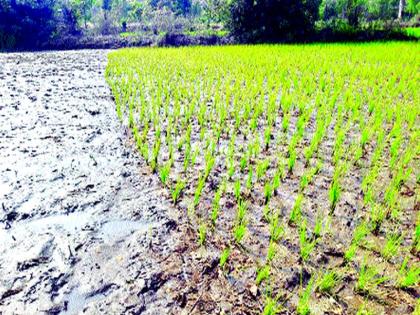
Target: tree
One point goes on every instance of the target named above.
(401, 9)
(26, 23)
(84, 9)
(273, 20)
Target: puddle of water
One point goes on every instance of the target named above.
(69, 223)
(77, 301)
(118, 229)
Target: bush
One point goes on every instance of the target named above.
(273, 20)
(25, 24)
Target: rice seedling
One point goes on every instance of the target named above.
(224, 256)
(176, 191)
(237, 190)
(306, 245)
(199, 190)
(202, 233)
(268, 192)
(239, 232)
(276, 229)
(303, 307)
(256, 118)
(263, 273)
(391, 246)
(409, 275)
(271, 307)
(164, 172)
(328, 281)
(364, 310)
(262, 168)
(272, 251)
(369, 279)
(296, 212)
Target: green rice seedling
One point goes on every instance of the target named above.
(216, 205)
(194, 156)
(360, 232)
(334, 194)
(242, 209)
(275, 184)
(243, 162)
(239, 232)
(391, 246)
(350, 253)
(272, 251)
(231, 167)
(363, 310)
(268, 192)
(199, 190)
(266, 213)
(303, 307)
(369, 279)
(237, 190)
(262, 167)
(377, 216)
(271, 307)
(318, 226)
(176, 191)
(224, 256)
(291, 161)
(155, 155)
(416, 238)
(263, 273)
(306, 245)
(328, 281)
(164, 172)
(409, 276)
(249, 179)
(276, 229)
(296, 212)
(202, 233)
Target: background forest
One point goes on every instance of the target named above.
(37, 23)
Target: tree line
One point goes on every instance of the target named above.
(32, 22)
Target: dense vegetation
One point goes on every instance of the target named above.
(288, 158)
(32, 23)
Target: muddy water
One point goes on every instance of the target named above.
(83, 224)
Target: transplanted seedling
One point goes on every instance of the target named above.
(303, 307)
(409, 275)
(176, 191)
(262, 274)
(328, 281)
(391, 246)
(369, 278)
(306, 245)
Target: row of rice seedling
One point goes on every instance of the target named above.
(291, 156)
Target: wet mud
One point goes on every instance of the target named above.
(84, 226)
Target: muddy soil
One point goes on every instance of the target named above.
(84, 226)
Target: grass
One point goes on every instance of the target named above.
(413, 31)
(292, 157)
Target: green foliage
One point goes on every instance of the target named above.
(369, 278)
(224, 257)
(272, 20)
(303, 307)
(262, 274)
(409, 276)
(328, 281)
(391, 246)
